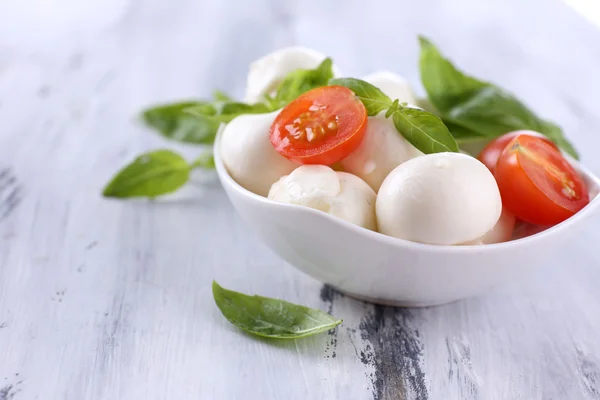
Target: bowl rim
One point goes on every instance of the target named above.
(226, 178)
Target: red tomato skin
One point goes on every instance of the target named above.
(524, 198)
(492, 151)
(351, 124)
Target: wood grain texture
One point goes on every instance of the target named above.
(111, 300)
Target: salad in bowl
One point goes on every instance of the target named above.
(386, 196)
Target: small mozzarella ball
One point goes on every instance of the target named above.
(524, 229)
(340, 194)
(395, 86)
(441, 198)
(382, 149)
(249, 155)
(267, 72)
(501, 232)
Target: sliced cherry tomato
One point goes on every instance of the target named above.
(321, 126)
(537, 183)
(490, 153)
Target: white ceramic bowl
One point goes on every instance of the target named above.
(382, 269)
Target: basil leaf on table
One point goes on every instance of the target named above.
(149, 175)
(374, 100)
(174, 122)
(481, 108)
(205, 161)
(424, 130)
(303, 80)
(271, 318)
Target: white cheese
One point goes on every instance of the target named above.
(340, 194)
(441, 198)
(249, 155)
(502, 231)
(267, 72)
(395, 86)
(382, 149)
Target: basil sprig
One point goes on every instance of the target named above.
(271, 318)
(474, 109)
(301, 81)
(420, 128)
(197, 122)
(374, 100)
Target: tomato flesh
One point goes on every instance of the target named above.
(491, 152)
(321, 126)
(537, 183)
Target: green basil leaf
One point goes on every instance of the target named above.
(303, 80)
(445, 85)
(272, 318)
(554, 133)
(174, 122)
(219, 95)
(205, 161)
(481, 108)
(462, 134)
(424, 130)
(149, 175)
(374, 100)
(228, 110)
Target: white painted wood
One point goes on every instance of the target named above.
(111, 300)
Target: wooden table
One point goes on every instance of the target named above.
(111, 300)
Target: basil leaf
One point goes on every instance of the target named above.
(554, 133)
(272, 318)
(462, 134)
(481, 108)
(173, 122)
(445, 85)
(205, 161)
(424, 130)
(149, 175)
(228, 110)
(303, 80)
(374, 100)
(221, 96)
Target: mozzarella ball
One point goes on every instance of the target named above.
(248, 154)
(395, 86)
(340, 194)
(267, 72)
(441, 198)
(382, 149)
(501, 232)
(524, 229)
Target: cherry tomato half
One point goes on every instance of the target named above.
(537, 183)
(321, 126)
(490, 153)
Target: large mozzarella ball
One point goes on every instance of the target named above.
(441, 198)
(337, 193)
(395, 86)
(267, 72)
(248, 154)
(382, 149)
